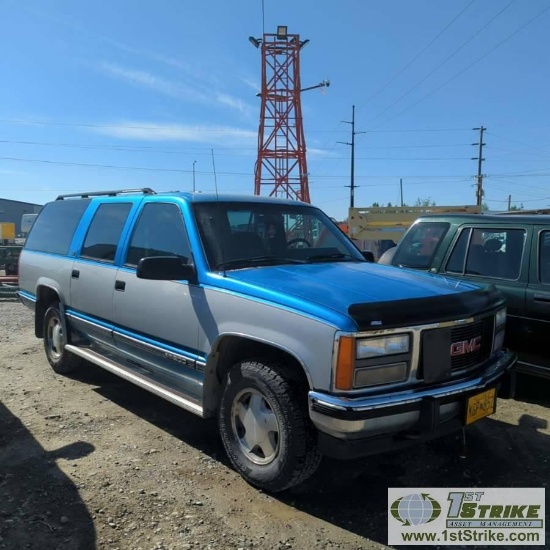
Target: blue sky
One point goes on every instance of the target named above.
(128, 93)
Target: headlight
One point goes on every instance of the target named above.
(500, 318)
(368, 348)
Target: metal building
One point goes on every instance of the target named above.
(12, 211)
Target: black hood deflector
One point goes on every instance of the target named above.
(423, 311)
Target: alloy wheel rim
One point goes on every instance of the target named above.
(255, 426)
(55, 339)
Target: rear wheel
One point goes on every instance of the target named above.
(55, 341)
(265, 427)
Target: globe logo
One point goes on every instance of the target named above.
(415, 509)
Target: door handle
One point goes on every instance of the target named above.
(75, 274)
(120, 285)
(542, 298)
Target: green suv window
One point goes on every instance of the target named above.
(488, 252)
(544, 257)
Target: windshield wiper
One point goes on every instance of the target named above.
(256, 261)
(331, 257)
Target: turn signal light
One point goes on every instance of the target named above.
(345, 363)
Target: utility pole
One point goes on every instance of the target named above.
(401, 190)
(352, 185)
(509, 202)
(194, 162)
(480, 159)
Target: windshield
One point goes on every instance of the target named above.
(241, 234)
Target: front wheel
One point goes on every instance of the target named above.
(55, 339)
(265, 428)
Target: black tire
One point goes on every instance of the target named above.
(283, 450)
(11, 269)
(55, 339)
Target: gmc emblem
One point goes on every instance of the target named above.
(466, 346)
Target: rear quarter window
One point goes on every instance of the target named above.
(54, 227)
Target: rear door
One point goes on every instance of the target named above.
(497, 254)
(94, 271)
(537, 315)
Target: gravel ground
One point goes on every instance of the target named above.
(91, 461)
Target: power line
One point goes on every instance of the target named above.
(402, 70)
(193, 150)
(466, 177)
(442, 63)
(149, 127)
(468, 67)
(518, 142)
(176, 170)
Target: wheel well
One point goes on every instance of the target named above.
(231, 350)
(45, 297)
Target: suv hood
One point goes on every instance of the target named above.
(329, 289)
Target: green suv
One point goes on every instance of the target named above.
(510, 251)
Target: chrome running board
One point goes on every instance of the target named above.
(158, 389)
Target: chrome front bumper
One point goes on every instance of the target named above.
(420, 413)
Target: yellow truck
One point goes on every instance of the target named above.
(9, 251)
(7, 231)
(373, 226)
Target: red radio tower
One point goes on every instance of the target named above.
(281, 162)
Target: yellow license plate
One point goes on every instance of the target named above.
(481, 405)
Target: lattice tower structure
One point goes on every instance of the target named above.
(281, 166)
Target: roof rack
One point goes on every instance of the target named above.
(143, 190)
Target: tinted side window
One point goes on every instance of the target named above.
(496, 252)
(105, 230)
(54, 228)
(544, 257)
(420, 245)
(458, 255)
(159, 232)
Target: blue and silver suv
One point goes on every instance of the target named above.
(262, 313)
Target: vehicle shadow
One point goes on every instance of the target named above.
(40, 507)
(353, 495)
(191, 429)
(532, 389)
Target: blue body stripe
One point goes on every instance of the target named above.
(28, 295)
(171, 347)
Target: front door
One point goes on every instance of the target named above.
(156, 327)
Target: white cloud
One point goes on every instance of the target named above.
(234, 103)
(322, 153)
(179, 132)
(158, 84)
(179, 91)
(255, 85)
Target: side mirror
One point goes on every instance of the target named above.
(166, 268)
(368, 255)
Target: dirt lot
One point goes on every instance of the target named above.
(94, 462)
